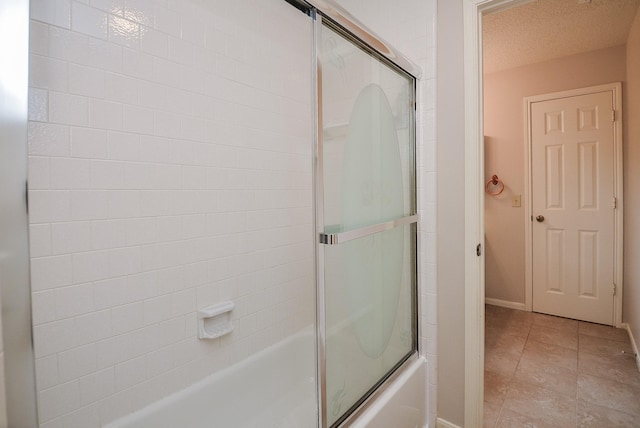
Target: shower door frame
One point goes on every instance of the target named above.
(19, 367)
(360, 36)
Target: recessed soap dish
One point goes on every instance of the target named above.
(215, 321)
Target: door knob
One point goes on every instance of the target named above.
(540, 218)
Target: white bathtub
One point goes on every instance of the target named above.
(402, 404)
(276, 388)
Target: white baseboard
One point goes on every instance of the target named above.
(504, 303)
(634, 345)
(441, 423)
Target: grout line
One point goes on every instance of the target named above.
(495, 424)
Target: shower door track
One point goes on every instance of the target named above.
(360, 32)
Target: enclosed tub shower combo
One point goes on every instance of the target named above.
(222, 215)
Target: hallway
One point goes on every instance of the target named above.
(546, 371)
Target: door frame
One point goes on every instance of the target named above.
(474, 288)
(474, 204)
(616, 89)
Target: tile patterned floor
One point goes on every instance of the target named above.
(544, 371)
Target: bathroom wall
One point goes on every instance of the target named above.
(170, 169)
(504, 125)
(451, 212)
(631, 292)
(411, 30)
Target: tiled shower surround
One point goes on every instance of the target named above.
(170, 169)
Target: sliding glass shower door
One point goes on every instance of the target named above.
(367, 210)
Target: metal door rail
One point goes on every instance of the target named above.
(341, 237)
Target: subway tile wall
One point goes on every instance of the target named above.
(411, 29)
(170, 169)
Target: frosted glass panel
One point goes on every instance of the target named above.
(368, 295)
(367, 110)
(368, 172)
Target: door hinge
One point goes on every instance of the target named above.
(614, 203)
(614, 289)
(479, 250)
(613, 115)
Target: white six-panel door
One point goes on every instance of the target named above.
(572, 172)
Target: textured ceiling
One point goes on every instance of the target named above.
(548, 29)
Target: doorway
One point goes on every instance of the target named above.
(506, 151)
(476, 177)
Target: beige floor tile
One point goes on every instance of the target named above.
(490, 335)
(608, 393)
(554, 372)
(510, 419)
(492, 310)
(602, 347)
(541, 404)
(564, 338)
(558, 323)
(594, 416)
(491, 413)
(543, 353)
(621, 368)
(495, 387)
(504, 343)
(497, 335)
(604, 332)
(512, 328)
(515, 323)
(550, 376)
(500, 362)
(502, 353)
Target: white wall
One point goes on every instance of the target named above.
(411, 30)
(451, 212)
(631, 308)
(170, 169)
(504, 124)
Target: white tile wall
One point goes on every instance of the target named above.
(170, 169)
(411, 29)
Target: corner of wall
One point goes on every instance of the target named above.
(631, 292)
(451, 211)
(634, 344)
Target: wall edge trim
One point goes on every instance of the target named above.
(634, 345)
(505, 304)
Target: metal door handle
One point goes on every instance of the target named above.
(339, 238)
(540, 218)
